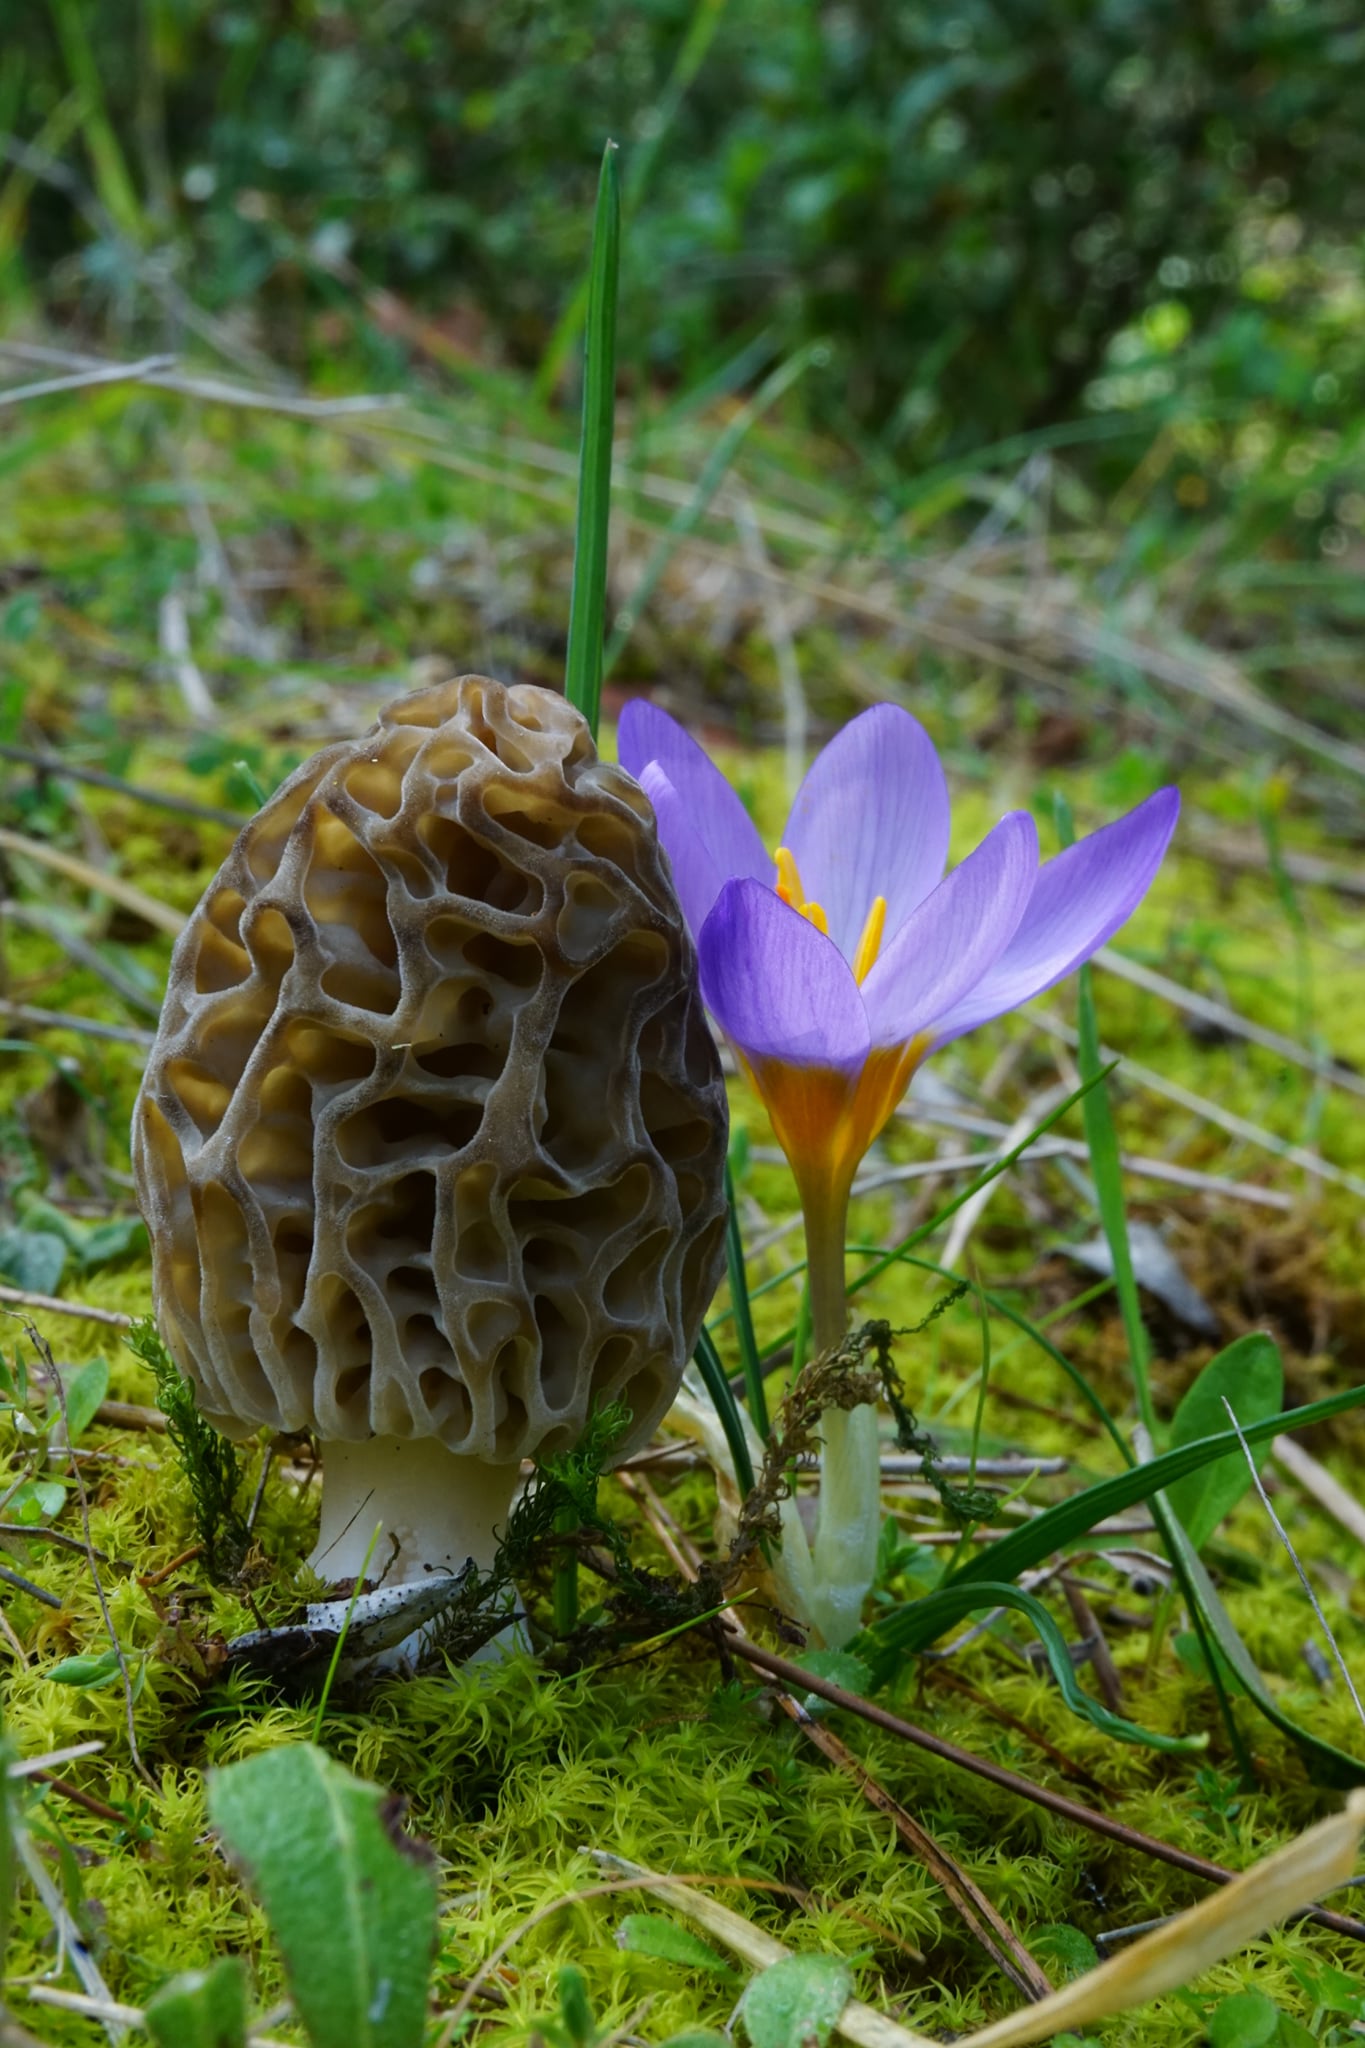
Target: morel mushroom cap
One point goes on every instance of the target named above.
(431, 1139)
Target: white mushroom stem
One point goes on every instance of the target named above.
(440, 1509)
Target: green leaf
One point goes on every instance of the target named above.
(351, 1900)
(797, 2002)
(111, 1240)
(837, 1667)
(912, 1627)
(574, 2010)
(1246, 2020)
(1057, 1526)
(1107, 1168)
(697, 2037)
(1073, 1952)
(588, 603)
(727, 1408)
(201, 2009)
(37, 1500)
(1249, 1374)
(84, 1391)
(654, 1934)
(88, 1673)
(32, 1259)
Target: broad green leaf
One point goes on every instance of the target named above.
(32, 1259)
(579, 2026)
(912, 1627)
(1246, 2020)
(84, 1392)
(796, 2003)
(38, 1500)
(89, 1672)
(1056, 1527)
(654, 1934)
(1073, 1952)
(351, 1900)
(1249, 1374)
(112, 1240)
(836, 1667)
(201, 2009)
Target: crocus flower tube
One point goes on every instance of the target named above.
(836, 963)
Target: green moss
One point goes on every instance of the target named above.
(513, 1770)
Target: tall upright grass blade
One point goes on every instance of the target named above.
(588, 604)
(718, 1386)
(653, 130)
(1106, 1166)
(113, 181)
(743, 1319)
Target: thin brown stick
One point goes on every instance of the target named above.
(951, 1681)
(100, 883)
(1106, 1671)
(1009, 1781)
(79, 1798)
(186, 1556)
(129, 1415)
(23, 1585)
(49, 1305)
(57, 764)
(983, 1922)
(992, 1933)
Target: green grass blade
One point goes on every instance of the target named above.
(1057, 1526)
(588, 603)
(113, 181)
(743, 1319)
(1107, 1168)
(880, 1646)
(653, 126)
(727, 1408)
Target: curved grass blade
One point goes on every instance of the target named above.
(884, 1644)
(1324, 1762)
(588, 603)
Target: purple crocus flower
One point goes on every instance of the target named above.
(836, 965)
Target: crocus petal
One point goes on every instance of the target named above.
(714, 813)
(696, 877)
(777, 987)
(946, 946)
(1080, 900)
(871, 819)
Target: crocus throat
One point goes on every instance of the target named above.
(790, 888)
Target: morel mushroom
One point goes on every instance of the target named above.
(431, 1139)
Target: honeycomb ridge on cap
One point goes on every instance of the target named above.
(431, 1140)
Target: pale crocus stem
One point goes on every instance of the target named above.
(848, 1526)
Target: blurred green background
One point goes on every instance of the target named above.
(1000, 213)
(1125, 239)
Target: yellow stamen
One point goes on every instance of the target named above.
(870, 944)
(789, 878)
(788, 886)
